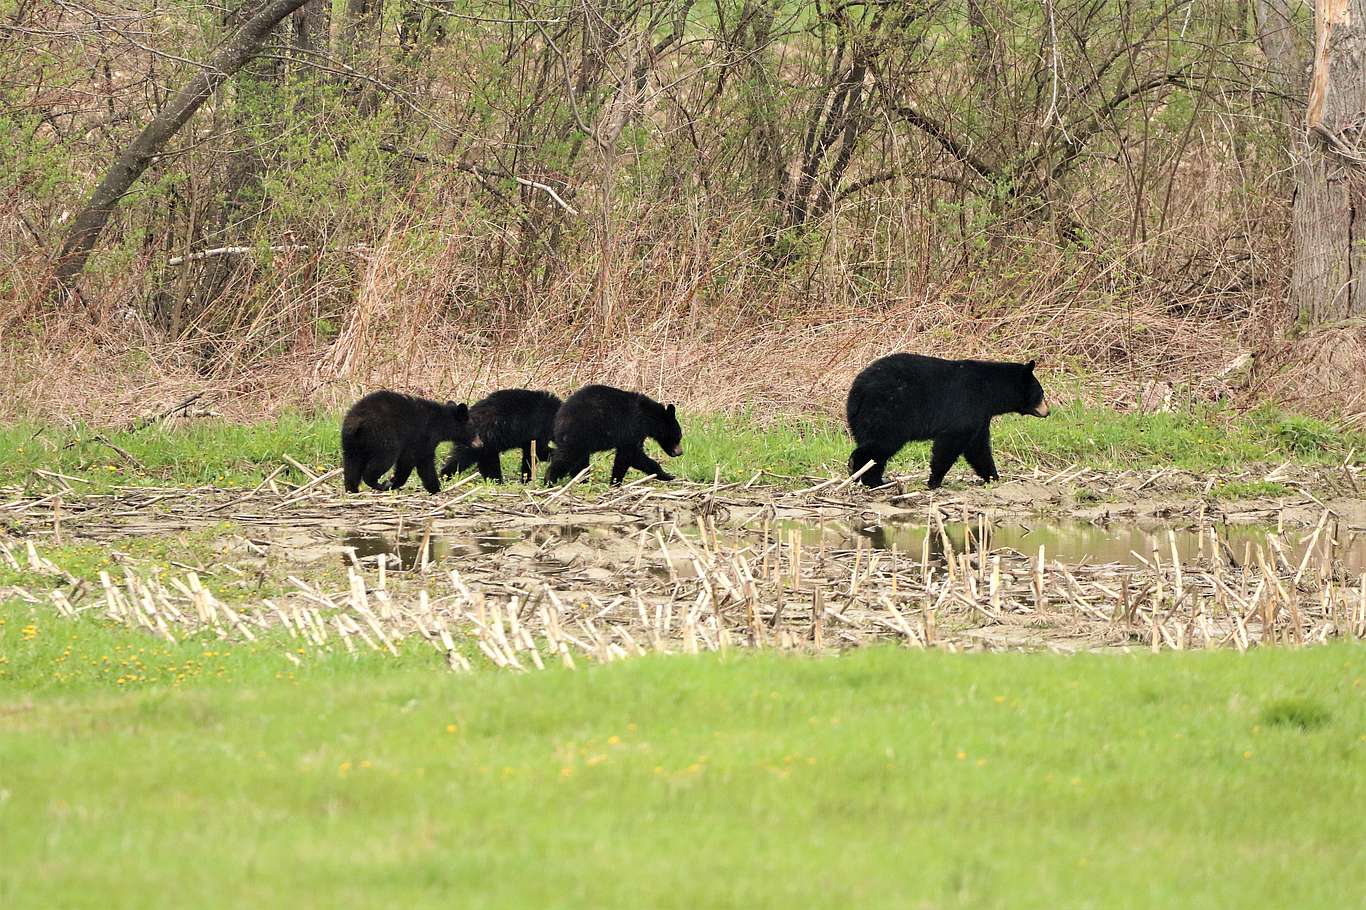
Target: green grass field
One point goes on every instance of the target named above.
(884, 778)
(228, 455)
(135, 772)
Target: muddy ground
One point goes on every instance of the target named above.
(1077, 560)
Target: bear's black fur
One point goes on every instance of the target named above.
(385, 429)
(906, 397)
(507, 419)
(599, 417)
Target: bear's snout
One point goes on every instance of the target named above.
(1041, 410)
(475, 441)
(676, 451)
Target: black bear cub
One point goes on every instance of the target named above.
(906, 397)
(599, 417)
(386, 429)
(507, 419)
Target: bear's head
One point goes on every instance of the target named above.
(668, 433)
(455, 425)
(1031, 394)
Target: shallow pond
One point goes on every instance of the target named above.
(1070, 542)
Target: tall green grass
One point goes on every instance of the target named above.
(222, 454)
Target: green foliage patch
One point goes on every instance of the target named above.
(782, 449)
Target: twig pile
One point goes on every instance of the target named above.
(691, 587)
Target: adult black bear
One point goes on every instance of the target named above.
(386, 429)
(599, 417)
(905, 397)
(507, 419)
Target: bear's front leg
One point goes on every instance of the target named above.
(623, 461)
(426, 471)
(978, 455)
(943, 454)
(491, 465)
(461, 460)
(647, 465)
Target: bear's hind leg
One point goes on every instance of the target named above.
(864, 454)
(374, 470)
(978, 455)
(352, 467)
(401, 472)
(565, 464)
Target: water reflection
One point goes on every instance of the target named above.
(1076, 542)
(1069, 542)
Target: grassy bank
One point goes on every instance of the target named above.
(884, 778)
(240, 455)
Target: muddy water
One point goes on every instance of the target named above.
(1066, 541)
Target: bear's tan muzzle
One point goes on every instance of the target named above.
(677, 452)
(1041, 410)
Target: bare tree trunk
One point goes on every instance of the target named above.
(130, 165)
(311, 24)
(1278, 34)
(1328, 273)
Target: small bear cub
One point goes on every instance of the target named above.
(389, 430)
(599, 417)
(507, 419)
(906, 397)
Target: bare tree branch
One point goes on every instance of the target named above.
(130, 165)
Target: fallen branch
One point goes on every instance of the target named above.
(244, 250)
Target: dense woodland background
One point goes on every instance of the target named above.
(735, 201)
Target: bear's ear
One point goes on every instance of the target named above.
(1030, 366)
(670, 410)
(460, 411)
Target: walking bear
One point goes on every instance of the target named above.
(906, 397)
(507, 419)
(385, 429)
(599, 417)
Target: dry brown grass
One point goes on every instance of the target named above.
(1325, 366)
(803, 365)
(716, 335)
